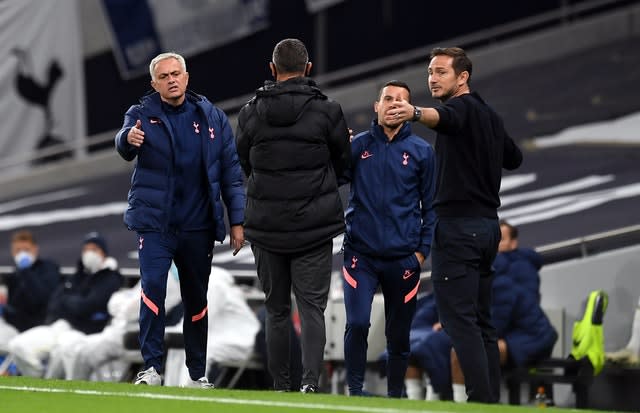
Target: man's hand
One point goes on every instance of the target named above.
(135, 136)
(420, 257)
(237, 238)
(403, 112)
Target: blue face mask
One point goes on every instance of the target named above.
(23, 260)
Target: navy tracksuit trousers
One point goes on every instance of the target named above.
(191, 252)
(399, 280)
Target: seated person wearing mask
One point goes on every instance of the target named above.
(29, 288)
(78, 306)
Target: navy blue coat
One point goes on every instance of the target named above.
(153, 180)
(522, 265)
(517, 316)
(82, 300)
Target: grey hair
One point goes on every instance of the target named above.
(163, 56)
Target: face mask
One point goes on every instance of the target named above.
(92, 261)
(23, 260)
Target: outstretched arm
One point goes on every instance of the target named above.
(405, 111)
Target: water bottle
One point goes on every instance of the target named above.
(541, 400)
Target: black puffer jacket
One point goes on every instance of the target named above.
(293, 145)
(82, 299)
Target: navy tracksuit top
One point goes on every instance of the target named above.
(390, 219)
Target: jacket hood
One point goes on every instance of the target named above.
(283, 103)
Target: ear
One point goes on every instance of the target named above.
(186, 79)
(463, 77)
(307, 69)
(153, 85)
(272, 67)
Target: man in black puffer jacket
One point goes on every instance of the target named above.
(293, 145)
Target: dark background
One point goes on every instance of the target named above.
(358, 31)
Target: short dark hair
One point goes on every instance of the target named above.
(23, 235)
(398, 83)
(513, 231)
(290, 56)
(461, 61)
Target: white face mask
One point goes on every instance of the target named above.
(92, 261)
(24, 259)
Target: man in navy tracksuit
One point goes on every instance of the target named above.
(186, 161)
(472, 147)
(389, 228)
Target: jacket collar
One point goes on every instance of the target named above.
(153, 102)
(378, 133)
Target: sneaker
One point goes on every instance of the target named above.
(149, 377)
(202, 383)
(308, 388)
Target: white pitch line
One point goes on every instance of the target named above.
(222, 400)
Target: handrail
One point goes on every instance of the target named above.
(582, 247)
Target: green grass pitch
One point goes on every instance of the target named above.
(27, 395)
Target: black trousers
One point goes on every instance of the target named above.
(462, 255)
(308, 275)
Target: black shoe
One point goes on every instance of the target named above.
(309, 388)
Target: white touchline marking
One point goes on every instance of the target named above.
(221, 400)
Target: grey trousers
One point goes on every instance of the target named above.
(308, 275)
